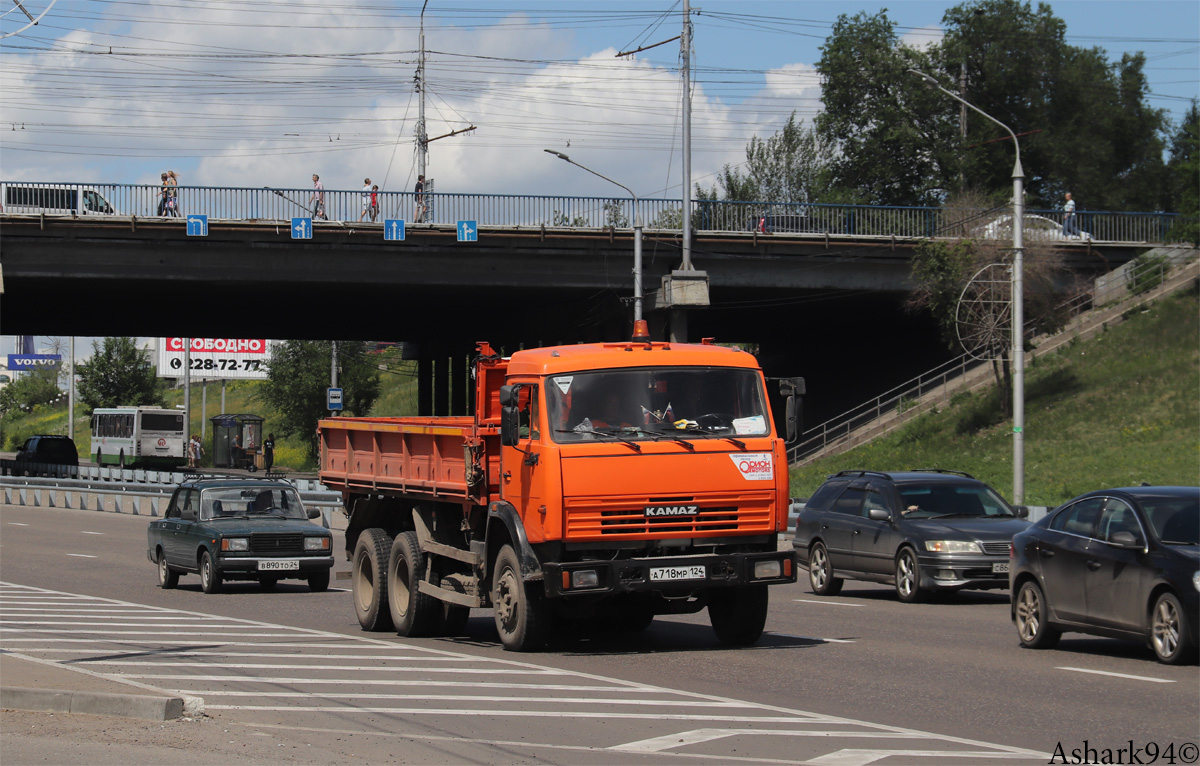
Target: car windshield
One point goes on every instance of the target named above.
(929, 501)
(243, 502)
(1176, 520)
(657, 403)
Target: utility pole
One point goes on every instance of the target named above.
(687, 136)
(422, 140)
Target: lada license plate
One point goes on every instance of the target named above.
(660, 574)
(999, 568)
(276, 565)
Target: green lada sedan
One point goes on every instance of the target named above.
(239, 529)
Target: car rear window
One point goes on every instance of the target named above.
(824, 496)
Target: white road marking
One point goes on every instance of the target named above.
(813, 638)
(17, 524)
(82, 556)
(92, 533)
(864, 757)
(1119, 675)
(669, 741)
(821, 601)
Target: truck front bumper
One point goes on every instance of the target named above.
(671, 574)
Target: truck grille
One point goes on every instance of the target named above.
(276, 542)
(628, 519)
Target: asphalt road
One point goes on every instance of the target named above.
(856, 679)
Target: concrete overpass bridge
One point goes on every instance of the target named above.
(798, 296)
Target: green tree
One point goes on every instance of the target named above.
(298, 376)
(1184, 168)
(790, 166)
(38, 386)
(119, 374)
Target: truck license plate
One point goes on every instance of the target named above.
(659, 574)
(999, 568)
(278, 564)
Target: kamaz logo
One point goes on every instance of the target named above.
(672, 510)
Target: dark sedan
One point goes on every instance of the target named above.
(921, 530)
(239, 529)
(1123, 563)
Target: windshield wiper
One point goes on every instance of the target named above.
(636, 447)
(660, 435)
(710, 435)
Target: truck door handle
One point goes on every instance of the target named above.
(508, 475)
(1093, 565)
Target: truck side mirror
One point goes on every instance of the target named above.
(510, 416)
(792, 388)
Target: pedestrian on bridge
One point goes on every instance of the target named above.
(317, 200)
(1070, 228)
(172, 194)
(366, 200)
(374, 201)
(164, 194)
(419, 193)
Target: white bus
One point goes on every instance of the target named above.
(141, 436)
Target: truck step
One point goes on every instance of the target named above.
(453, 596)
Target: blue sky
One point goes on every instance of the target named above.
(235, 92)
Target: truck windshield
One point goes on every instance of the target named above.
(655, 403)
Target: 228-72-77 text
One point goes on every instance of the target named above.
(229, 365)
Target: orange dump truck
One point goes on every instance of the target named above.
(597, 484)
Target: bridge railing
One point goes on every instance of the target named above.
(573, 212)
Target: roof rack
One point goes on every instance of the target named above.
(964, 474)
(858, 472)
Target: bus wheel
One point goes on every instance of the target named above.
(121, 459)
(99, 457)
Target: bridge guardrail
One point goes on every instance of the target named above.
(345, 206)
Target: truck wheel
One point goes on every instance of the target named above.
(522, 618)
(210, 578)
(369, 581)
(738, 615)
(167, 577)
(413, 613)
(318, 582)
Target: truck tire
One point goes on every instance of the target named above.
(318, 582)
(522, 617)
(738, 615)
(414, 614)
(368, 582)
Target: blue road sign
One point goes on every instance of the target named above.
(393, 228)
(468, 231)
(197, 226)
(333, 397)
(301, 228)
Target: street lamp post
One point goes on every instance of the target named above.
(637, 234)
(1018, 296)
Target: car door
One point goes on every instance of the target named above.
(187, 530)
(1116, 577)
(875, 542)
(840, 524)
(168, 527)
(1063, 554)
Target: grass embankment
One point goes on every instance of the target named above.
(397, 397)
(1117, 410)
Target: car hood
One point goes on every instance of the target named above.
(973, 527)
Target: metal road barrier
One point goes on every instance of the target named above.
(139, 498)
(345, 207)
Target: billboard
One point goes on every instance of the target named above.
(215, 358)
(33, 361)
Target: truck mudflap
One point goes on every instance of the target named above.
(671, 574)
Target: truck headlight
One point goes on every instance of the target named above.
(235, 544)
(952, 546)
(316, 543)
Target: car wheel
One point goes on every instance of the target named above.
(368, 582)
(820, 573)
(319, 581)
(738, 615)
(413, 613)
(522, 617)
(167, 577)
(268, 583)
(908, 577)
(1033, 629)
(1169, 631)
(210, 579)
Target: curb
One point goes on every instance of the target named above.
(92, 703)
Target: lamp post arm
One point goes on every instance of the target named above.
(1017, 170)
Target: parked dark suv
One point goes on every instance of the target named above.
(922, 530)
(48, 450)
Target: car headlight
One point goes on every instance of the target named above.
(952, 546)
(235, 544)
(316, 543)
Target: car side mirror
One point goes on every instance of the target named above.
(878, 514)
(1022, 511)
(188, 514)
(313, 513)
(1125, 540)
